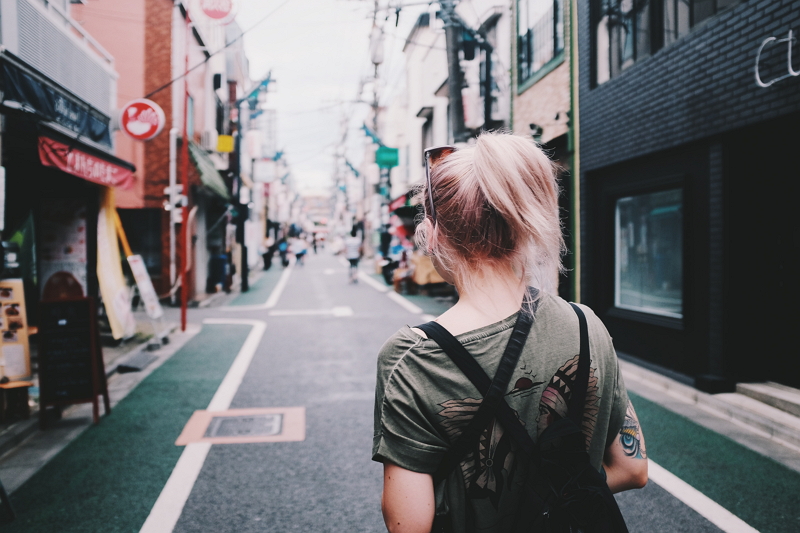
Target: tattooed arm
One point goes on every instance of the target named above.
(625, 460)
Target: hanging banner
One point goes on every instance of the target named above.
(113, 287)
(84, 165)
(142, 119)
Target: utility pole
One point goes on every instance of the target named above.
(184, 244)
(452, 30)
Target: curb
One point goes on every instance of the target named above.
(15, 434)
(787, 434)
(123, 359)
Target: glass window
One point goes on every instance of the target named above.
(540, 34)
(627, 31)
(676, 19)
(622, 35)
(649, 253)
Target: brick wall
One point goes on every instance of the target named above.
(158, 71)
(540, 104)
(701, 85)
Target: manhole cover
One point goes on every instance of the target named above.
(245, 426)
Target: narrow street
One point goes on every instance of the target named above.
(313, 339)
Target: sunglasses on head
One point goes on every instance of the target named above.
(433, 156)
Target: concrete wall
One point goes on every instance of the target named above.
(119, 25)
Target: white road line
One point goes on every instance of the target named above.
(369, 280)
(336, 311)
(708, 508)
(169, 505)
(273, 296)
(408, 306)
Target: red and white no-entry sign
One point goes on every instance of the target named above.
(142, 119)
(221, 11)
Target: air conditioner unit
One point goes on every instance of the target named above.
(208, 140)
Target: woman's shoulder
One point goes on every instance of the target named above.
(560, 314)
(396, 347)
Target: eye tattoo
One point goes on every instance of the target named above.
(630, 436)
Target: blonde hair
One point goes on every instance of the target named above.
(496, 205)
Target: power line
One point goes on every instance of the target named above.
(209, 56)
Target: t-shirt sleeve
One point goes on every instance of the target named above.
(619, 407)
(402, 433)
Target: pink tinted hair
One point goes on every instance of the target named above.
(496, 206)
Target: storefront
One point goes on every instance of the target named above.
(58, 167)
(689, 243)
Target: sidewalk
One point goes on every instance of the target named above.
(24, 450)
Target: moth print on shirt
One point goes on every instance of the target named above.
(555, 399)
(486, 469)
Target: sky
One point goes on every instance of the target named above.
(318, 53)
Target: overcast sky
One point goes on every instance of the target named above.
(318, 51)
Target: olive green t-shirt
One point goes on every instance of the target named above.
(423, 402)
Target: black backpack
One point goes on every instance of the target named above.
(561, 492)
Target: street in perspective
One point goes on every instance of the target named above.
(220, 218)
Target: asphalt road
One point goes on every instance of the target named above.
(306, 338)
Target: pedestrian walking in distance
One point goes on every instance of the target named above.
(508, 413)
(352, 252)
(299, 248)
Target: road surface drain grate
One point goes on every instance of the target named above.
(245, 426)
(239, 426)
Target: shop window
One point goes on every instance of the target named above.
(649, 253)
(627, 31)
(540, 35)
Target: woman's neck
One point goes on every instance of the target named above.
(490, 296)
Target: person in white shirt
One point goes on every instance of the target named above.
(352, 252)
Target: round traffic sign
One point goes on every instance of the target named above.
(142, 119)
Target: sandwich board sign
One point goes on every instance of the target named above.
(146, 289)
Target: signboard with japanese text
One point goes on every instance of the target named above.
(74, 161)
(146, 289)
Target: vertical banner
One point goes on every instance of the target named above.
(63, 260)
(113, 287)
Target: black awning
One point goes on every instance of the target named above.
(28, 90)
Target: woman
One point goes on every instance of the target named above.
(492, 229)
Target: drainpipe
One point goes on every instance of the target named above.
(173, 199)
(575, 137)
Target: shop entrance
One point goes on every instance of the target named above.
(762, 246)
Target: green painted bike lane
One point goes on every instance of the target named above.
(760, 491)
(110, 477)
(261, 289)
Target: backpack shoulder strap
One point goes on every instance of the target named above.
(493, 390)
(577, 399)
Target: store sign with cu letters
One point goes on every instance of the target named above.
(142, 119)
(220, 11)
(766, 46)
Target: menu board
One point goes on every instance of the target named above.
(15, 358)
(68, 353)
